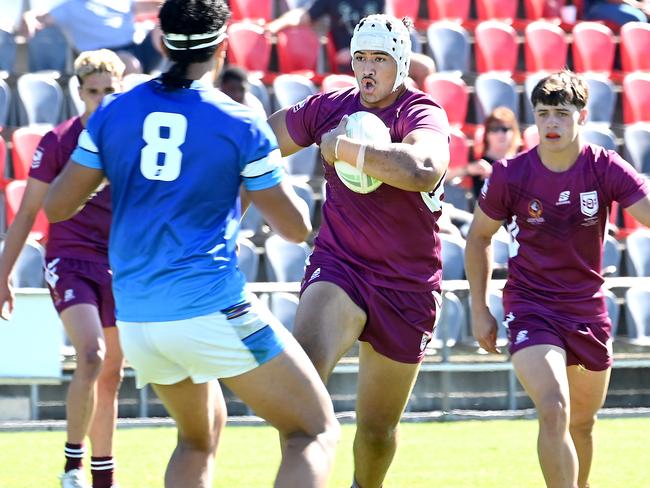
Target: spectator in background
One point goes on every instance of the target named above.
(98, 24)
(79, 279)
(501, 139)
(343, 15)
(233, 81)
(618, 11)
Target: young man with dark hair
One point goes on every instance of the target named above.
(555, 199)
(176, 152)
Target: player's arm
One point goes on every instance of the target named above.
(278, 122)
(283, 210)
(71, 190)
(32, 201)
(292, 18)
(478, 268)
(415, 164)
(641, 210)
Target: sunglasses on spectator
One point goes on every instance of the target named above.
(499, 128)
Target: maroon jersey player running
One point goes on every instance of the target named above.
(375, 271)
(555, 199)
(79, 279)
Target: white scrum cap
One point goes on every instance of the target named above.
(384, 33)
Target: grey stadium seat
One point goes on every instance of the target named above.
(285, 261)
(449, 44)
(495, 90)
(42, 98)
(637, 314)
(637, 146)
(452, 323)
(602, 99)
(638, 252)
(284, 306)
(290, 89)
(453, 257)
(248, 260)
(599, 135)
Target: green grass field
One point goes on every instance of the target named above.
(465, 454)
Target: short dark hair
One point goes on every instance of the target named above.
(234, 73)
(563, 87)
(190, 17)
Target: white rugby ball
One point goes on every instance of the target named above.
(364, 127)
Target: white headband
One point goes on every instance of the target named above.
(182, 42)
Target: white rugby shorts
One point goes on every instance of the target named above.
(218, 345)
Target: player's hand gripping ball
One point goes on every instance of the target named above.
(365, 128)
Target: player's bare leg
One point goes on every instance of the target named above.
(102, 426)
(541, 369)
(84, 329)
(328, 323)
(588, 390)
(287, 392)
(383, 390)
(199, 424)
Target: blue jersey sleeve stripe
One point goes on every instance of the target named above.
(86, 158)
(258, 176)
(265, 181)
(263, 165)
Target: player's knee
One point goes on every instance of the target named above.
(582, 424)
(111, 377)
(205, 442)
(377, 433)
(90, 360)
(553, 413)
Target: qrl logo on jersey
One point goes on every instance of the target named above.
(589, 203)
(37, 158)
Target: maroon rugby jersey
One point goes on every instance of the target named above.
(557, 223)
(84, 236)
(389, 234)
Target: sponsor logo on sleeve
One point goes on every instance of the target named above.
(299, 105)
(37, 158)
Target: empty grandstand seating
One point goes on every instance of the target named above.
(303, 162)
(613, 310)
(451, 93)
(24, 142)
(290, 89)
(14, 195)
(285, 261)
(494, 90)
(284, 306)
(449, 43)
(335, 81)
(298, 50)
(42, 98)
(546, 47)
(637, 315)
(453, 257)
(5, 103)
(637, 146)
(635, 39)
(253, 10)
(602, 98)
(28, 270)
(495, 47)
(611, 257)
(3, 163)
(593, 47)
(599, 135)
(249, 46)
(248, 259)
(403, 8)
(636, 97)
(504, 10)
(638, 253)
(451, 325)
(456, 10)
(7, 52)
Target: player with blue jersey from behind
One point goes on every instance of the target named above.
(176, 152)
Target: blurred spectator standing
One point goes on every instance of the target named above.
(97, 24)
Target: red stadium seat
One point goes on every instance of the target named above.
(505, 10)
(636, 97)
(451, 93)
(337, 82)
(24, 142)
(543, 9)
(403, 8)
(496, 47)
(252, 9)
(593, 47)
(635, 39)
(457, 10)
(3, 163)
(546, 47)
(298, 50)
(14, 195)
(459, 154)
(249, 46)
